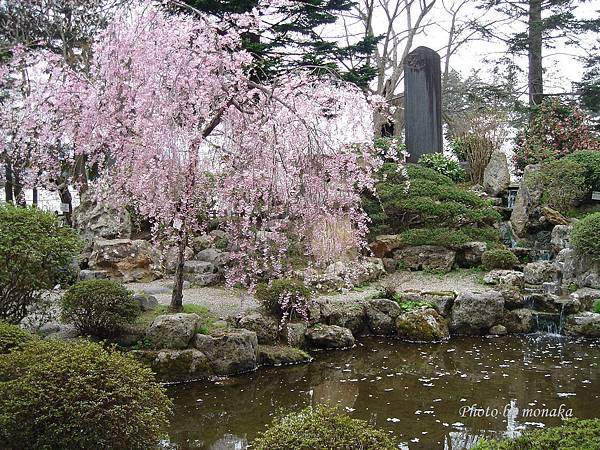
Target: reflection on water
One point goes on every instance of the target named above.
(429, 396)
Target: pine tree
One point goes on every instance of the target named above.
(293, 40)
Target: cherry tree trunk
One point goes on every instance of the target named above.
(535, 78)
(177, 296)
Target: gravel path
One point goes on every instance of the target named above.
(224, 302)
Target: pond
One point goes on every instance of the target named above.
(442, 396)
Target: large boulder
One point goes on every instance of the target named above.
(381, 316)
(469, 254)
(281, 355)
(425, 257)
(586, 324)
(496, 177)
(541, 272)
(474, 313)
(526, 212)
(343, 274)
(441, 301)
(579, 270)
(126, 259)
(169, 259)
(506, 278)
(231, 353)
(347, 314)
(172, 331)
(384, 245)
(513, 298)
(96, 220)
(201, 273)
(586, 296)
(294, 334)
(518, 321)
(422, 325)
(172, 366)
(265, 326)
(329, 337)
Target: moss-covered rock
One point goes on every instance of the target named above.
(422, 325)
(278, 355)
(172, 366)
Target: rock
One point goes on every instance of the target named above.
(441, 301)
(146, 302)
(265, 327)
(294, 334)
(48, 328)
(586, 296)
(505, 278)
(231, 353)
(496, 177)
(586, 324)
(422, 325)
(518, 321)
(553, 216)
(552, 287)
(130, 260)
(578, 270)
(172, 331)
(498, 330)
(85, 274)
(341, 274)
(543, 302)
(129, 335)
(540, 272)
(389, 264)
(279, 355)
(199, 243)
(384, 245)
(527, 208)
(169, 259)
(96, 220)
(474, 313)
(201, 273)
(329, 337)
(175, 365)
(469, 254)
(213, 256)
(381, 316)
(65, 332)
(513, 299)
(314, 311)
(425, 257)
(347, 314)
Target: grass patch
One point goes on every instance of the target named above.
(207, 324)
(410, 305)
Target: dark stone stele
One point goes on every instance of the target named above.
(423, 103)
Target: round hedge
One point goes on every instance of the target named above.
(498, 258)
(36, 253)
(99, 308)
(270, 294)
(584, 236)
(60, 395)
(12, 336)
(323, 428)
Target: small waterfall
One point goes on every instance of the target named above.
(549, 323)
(512, 196)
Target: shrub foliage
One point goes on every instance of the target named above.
(35, 252)
(57, 395)
(574, 434)
(284, 297)
(563, 184)
(12, 336)
(99, 308)
(444, 165)
(584, 236)
(322, 428)
(498, 258)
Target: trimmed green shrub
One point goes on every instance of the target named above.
(590, 160)
(444, 165)
(597, 306)
(573, 434)
(12, 336)
(563, 184)
(584, 236)
(322, 428)
(35, 254)
(60, 395)
(99, 308)
(498, 258)
(448, 237)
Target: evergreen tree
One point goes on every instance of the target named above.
(291, 38)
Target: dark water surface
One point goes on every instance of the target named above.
(423, 394)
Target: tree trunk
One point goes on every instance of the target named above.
(34, 197)
(66, 199)
(18, 193)
(8, 186)
(177, 296)
(535, 78)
